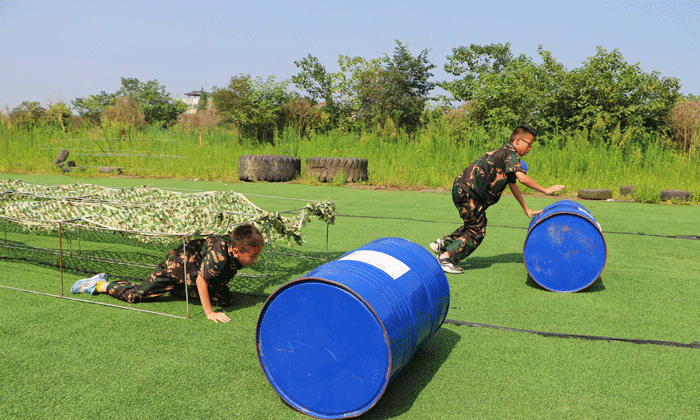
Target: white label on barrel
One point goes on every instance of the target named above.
(388, 264)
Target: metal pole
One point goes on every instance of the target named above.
(327, 228)
(267, 248)
(60, 255)
(184, 264)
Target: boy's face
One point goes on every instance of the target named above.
(247, 258)
(523, 143)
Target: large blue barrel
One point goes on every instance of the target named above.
(564, 250)
(330, 342)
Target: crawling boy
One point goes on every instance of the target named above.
(211, 264)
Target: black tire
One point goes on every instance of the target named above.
(627, 190)
(270, 168)
(679, 195)
(61, 157)
(325, 168)
(70, 163)
(594, 194)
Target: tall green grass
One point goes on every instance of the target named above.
(431, 158)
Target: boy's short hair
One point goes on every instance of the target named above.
(519, 131)
(247, 236)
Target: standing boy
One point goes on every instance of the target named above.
(211, 264)
(480, 186)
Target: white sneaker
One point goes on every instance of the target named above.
(438, 246)
(448, 266)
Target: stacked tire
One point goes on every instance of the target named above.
(325, 168)
(270, 168)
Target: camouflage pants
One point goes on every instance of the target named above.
(169, 278)
(463, 241)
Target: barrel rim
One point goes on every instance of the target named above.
(592, 219)
(593, 222)
(294, 404)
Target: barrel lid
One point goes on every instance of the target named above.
(323, 349)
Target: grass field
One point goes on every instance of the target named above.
(66, 359)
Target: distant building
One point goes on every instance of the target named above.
(192, 101)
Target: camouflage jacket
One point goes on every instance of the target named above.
(487, 177)
(209, 257)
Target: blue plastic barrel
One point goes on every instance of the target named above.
(330, 342)
(564, 250)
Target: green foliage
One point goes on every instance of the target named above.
(320, 85)
(398, 90)
(371, 92)
(27, 115)
(607, 87)
(647, 195)
(431, 157)
(203, 104)
(123, 114)
(91, 107)
(303, 117)
(504, 90)
(475, 64)
(152, 99)
(253, 106)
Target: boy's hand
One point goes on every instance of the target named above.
(218, 317)
(553, 189)
(531, 213)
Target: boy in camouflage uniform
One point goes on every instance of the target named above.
(480, 186)
(211, 264)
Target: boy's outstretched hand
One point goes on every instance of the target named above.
(531, 213)
(218, 317)
(553, 189)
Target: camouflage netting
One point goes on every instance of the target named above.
(149, 215)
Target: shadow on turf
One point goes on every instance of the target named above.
(475, 263)
(596, 286)
(403, 391)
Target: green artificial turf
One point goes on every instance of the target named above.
(68, 359)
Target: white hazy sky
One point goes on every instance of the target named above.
(52, 50)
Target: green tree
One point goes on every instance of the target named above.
(504, 90)
(320, 85)
(254, 106)
(609, 89)
(398, 90)
(125, 113)
(372, 91)
(473, 65)
(91, 107)
(27, 115)
(152, 99)
(203, 101)
(605, 91)
(59, 114)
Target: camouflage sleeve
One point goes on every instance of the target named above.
(214, 260)
(512, 165)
